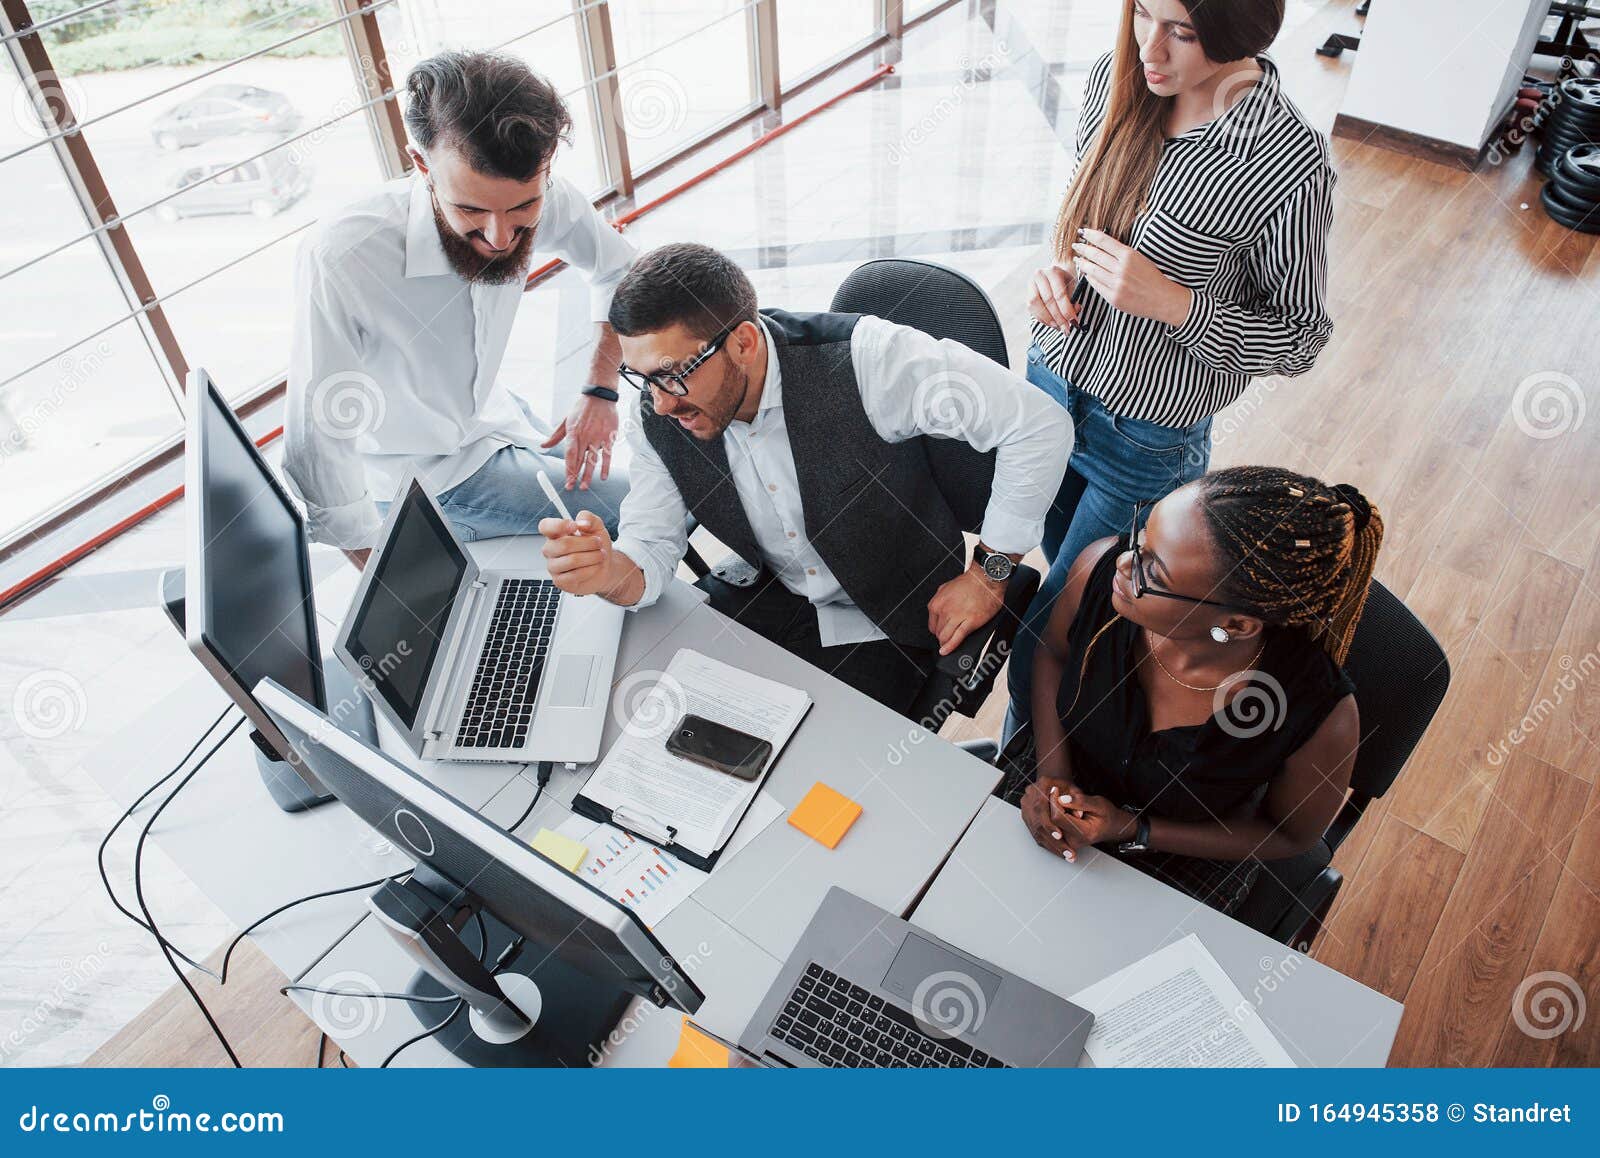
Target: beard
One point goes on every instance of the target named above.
(722, 409)
(472, 266)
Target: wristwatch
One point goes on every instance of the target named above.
(1141, 838)
(995, 565)
(605, 392)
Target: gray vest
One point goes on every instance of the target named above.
(873, 509)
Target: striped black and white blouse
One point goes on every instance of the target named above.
(1239, 212)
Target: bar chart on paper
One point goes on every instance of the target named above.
(645, 877)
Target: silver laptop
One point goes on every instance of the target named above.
(864, 989)
(476, 665)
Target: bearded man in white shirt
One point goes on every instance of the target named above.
(404, 305)
(807, 443)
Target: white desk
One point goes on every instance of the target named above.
(918, 794)
(1065, 926)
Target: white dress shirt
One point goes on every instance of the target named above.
(911, 384)
(394, 359)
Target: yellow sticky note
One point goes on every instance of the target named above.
(565, 851)
(696, 1051)
(825, 815)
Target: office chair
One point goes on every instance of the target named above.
(945, 304)
(1401, 676)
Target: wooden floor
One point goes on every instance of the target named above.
(1453, 393)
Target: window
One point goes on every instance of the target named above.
(815, 33)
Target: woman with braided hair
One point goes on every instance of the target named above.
(1190, 712)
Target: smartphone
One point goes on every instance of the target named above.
(720, 747)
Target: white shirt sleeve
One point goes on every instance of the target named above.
(573, 230)
(913, 384)
(651, 525)
(325, 365)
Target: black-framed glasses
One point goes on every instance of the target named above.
(1141, 587)
(676, 382)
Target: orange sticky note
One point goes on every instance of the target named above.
(825, 815)
(696, 1051)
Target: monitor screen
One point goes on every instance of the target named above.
(259, 620)
(396, 632)
(553, 908)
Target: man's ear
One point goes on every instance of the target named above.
(418, 160)
(746, 340)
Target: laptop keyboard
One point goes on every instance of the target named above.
(499, 707)
(840, 1024)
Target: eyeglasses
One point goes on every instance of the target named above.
(676, 382)
(1141, 587)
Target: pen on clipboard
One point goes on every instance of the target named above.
(664, 834)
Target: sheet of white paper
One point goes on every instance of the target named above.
(1176, 1008)
(647, 879)
(640, 776)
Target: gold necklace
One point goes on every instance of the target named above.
(1248, 667)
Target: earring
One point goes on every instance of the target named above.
(1220, 634)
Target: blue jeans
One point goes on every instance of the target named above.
(1116, 462)
(503, 496)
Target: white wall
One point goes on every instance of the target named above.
(1444, 70)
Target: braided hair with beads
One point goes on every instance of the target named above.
(1295, 551)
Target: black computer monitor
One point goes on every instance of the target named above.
(248, 612)
(584, 954)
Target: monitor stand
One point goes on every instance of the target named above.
(348, 707)
(545, 1014)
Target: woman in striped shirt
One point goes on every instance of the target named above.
(1188, 149)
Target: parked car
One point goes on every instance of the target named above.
(241, 182)
(224, 110)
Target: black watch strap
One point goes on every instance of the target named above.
(981, 557)
(605, 392)
(1141, 837)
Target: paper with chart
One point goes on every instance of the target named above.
(644, 780)
(644, 877)
(1176, 1008)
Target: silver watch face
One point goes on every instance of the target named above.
(998, 567)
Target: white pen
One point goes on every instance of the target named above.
(555, 497)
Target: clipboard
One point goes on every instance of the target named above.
(659, 832)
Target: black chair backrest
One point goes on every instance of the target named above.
(1401, 675)
(945, 304)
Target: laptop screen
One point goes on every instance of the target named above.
(396, 632)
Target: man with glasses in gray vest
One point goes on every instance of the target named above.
(795, 440)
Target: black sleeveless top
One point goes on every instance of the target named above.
(1194, 772)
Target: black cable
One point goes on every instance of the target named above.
(545, 769)
(100, 856)
(322, 1045)
(222, 977)
(138, 892)
(287, 989)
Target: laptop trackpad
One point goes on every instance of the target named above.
(938, 986)
(571, 676)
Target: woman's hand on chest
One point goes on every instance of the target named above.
(1128, 280)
